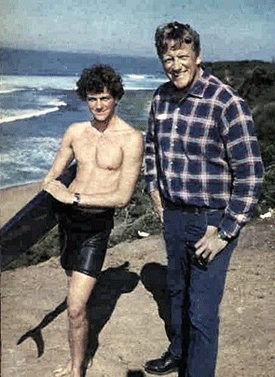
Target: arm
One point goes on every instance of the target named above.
(64, 157)
(151, 167)
(157, 204)
(245, 161)
(150, 154)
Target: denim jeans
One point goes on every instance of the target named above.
(195, 291)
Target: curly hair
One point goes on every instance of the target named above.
(98, 77)
(181, 33)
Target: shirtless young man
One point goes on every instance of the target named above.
(109, 154)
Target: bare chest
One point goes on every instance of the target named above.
(104, 152)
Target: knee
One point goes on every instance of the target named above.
(76, 314)
(205, 321)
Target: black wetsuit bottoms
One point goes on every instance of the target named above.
(84, 235)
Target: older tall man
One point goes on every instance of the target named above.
(204, 173)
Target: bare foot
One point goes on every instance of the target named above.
(90, 363)
(64, 371)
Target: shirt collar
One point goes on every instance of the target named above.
(199, 88)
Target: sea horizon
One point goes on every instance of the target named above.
(61, 63)
(38, 103)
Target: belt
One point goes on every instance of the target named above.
(184, 207)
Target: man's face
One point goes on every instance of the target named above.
(181, 65)
(101, 105)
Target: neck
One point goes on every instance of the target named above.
(104, 125)
(100, 126)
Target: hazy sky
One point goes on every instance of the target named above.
(229, 29)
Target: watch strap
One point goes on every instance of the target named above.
(223, 236)
(76, 198)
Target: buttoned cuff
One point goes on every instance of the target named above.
(230, 227)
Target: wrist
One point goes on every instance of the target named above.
(222, 235)
(45, 182)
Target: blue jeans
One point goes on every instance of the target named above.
(195, 291)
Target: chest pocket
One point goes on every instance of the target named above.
(201, 138)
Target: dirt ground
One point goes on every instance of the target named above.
(128, 311)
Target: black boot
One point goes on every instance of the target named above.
(166, 364)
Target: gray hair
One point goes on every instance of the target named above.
(180, 33)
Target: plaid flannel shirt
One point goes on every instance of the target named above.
(202, 151)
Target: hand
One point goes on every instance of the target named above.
(59, 192)
(157, 204)
(209, 245)
(158, 211)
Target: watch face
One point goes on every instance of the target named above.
(76, 198)
(222, 235)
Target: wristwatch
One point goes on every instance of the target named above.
(223, 236)
(76, 199)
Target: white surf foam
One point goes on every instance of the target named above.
(12, 82)
(11, 90)
(142, 82)
(26, 159)
(26, 114)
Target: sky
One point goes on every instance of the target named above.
(229, 29)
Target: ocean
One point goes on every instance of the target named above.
(36, 110)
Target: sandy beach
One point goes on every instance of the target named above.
(14, 198)
(129, 308)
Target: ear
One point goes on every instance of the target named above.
(199, 59)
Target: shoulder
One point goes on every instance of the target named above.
(227, 99)
(76, 129)
(128, 130)
(130, 136)
(137, 138)
(217, 89)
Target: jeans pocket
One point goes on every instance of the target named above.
(196, 225)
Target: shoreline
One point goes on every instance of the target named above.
(15, 197)
(19, 184)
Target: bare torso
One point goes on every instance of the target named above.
(108, 164)
(99, 157)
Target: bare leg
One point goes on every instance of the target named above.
(80, 287)
(66, 370)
